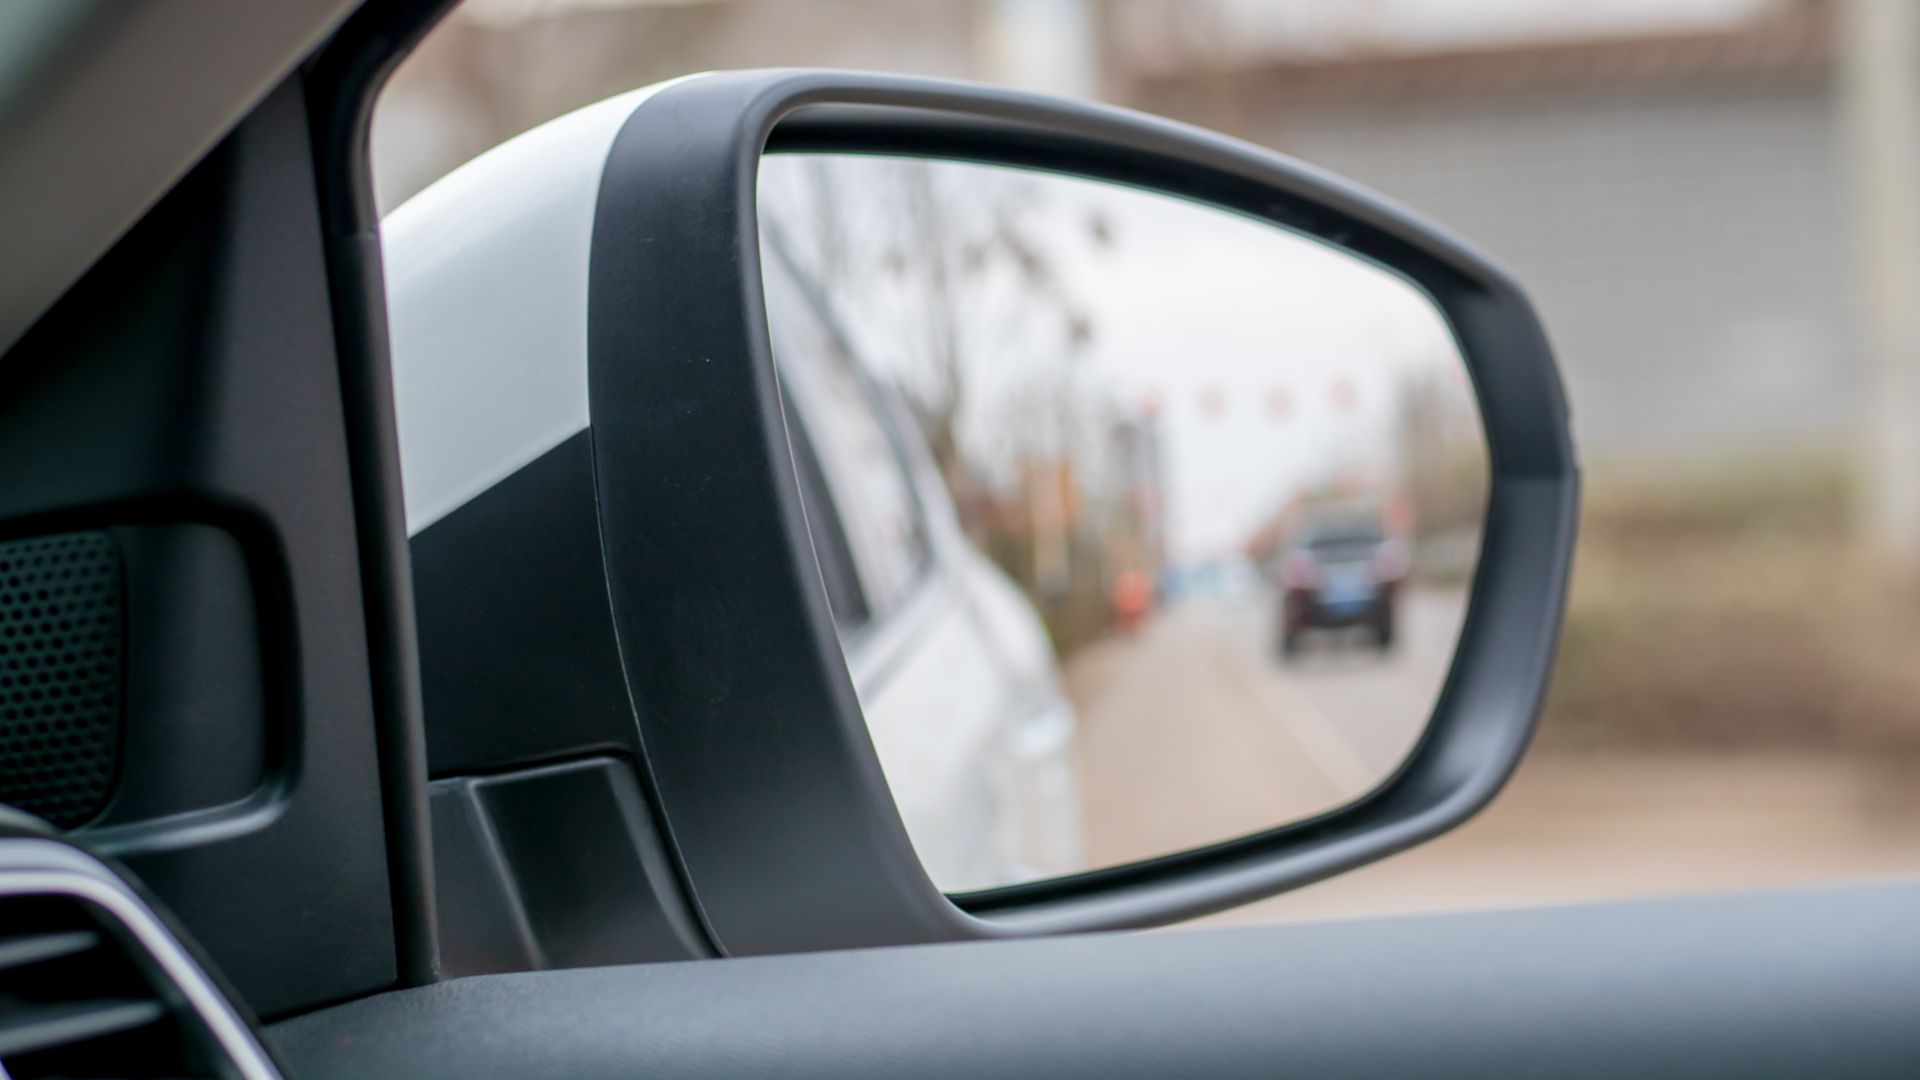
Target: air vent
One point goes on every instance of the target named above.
(80, 998)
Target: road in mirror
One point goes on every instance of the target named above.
(1145, 525)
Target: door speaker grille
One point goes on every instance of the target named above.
(60, 660)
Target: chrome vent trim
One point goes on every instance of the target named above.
(35, 867)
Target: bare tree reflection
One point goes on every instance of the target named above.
(956, 282)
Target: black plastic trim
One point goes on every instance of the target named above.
(342, 83)
(190, 378)
(1807, 983)
(517, 660)
(518, 901)
(753, 735)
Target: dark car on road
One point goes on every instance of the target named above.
(1341, 572)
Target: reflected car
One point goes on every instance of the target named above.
(1342, 572)
(955, 672)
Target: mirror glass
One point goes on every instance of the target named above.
(1145, 524)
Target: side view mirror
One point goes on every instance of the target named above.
(618, 516)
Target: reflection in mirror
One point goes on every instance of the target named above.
(1145, 525)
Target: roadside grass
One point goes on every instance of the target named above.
(1728, 606)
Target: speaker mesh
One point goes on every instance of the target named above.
(60, 630)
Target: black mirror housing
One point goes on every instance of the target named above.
(764, 770)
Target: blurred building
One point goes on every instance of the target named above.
(1674, 202)
(496, 68)
(1134, 504)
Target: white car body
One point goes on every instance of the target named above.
(486, 293)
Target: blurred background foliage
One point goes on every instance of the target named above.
(1723, 604)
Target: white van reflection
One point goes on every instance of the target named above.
(952, 665)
